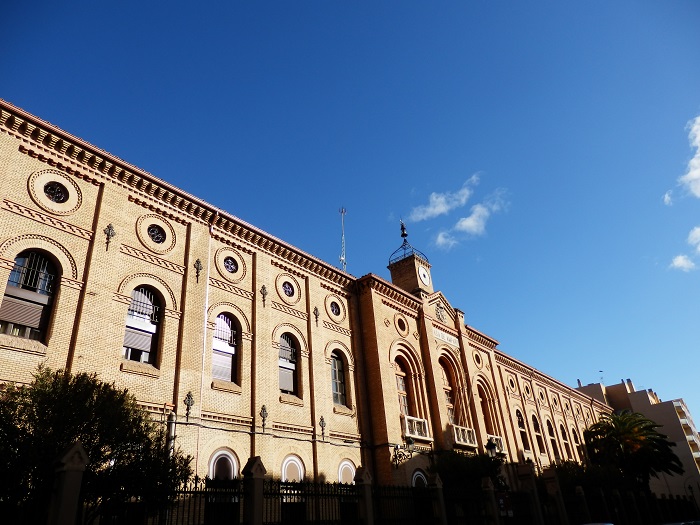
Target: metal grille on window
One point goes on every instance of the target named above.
(223, 356)
(25, 308)
(287, 365)
(338, 379)
(140, 335)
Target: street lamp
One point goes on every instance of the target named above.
(404, 453)
(491, 448)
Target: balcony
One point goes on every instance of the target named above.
(464, 436)
(500, 449)
(415, 427)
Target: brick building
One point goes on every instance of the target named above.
(252, 346)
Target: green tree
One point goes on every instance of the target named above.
(631, 443)
(128, 452)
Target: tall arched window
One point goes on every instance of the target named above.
(142, 326)
(402, 389)
(578, 444)
(26, 306)
(522, 430)
(485, 404)
(223, 466)
(448, 391)
(553, 441)
(565, 440)
(293, 469)
(224, 349)
(338, 378)
(288, 374)
(538, 435)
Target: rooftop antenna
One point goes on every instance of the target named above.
(343, 260)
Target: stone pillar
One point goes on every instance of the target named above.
(363, 482)
(66, 490)
(526, 480)
(552, 485)
(490, 505)
(253, 473)
(435, 487)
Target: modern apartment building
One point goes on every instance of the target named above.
(676, 423)
(252, 346)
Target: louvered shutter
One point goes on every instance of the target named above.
(221, 365)
(21, 312)
(137, 339)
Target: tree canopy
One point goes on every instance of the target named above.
(129, 454)
(631, 443)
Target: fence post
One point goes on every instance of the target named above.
(489, 497)
(526, 479)
(66, 489)
(552, 485)
(435, 487)
(253, 473)
(365, 511)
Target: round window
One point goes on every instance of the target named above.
(335, 308)
(230, 264)
(527, 390)
(288, 289)
(56, 192)
(477, 359)
(541, 395)
(401, 324)
(511, 383)
(156, 233)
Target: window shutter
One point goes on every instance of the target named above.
(286, 380)
(21, 312)
(137, 339)
(222, 366)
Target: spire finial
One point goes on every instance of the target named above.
(404, 234)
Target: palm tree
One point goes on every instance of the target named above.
(631, 443)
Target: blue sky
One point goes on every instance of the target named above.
(544, 155)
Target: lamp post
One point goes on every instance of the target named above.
(404, 453)
(491, 448)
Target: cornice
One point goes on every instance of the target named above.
(388, 290)
(80, 157)
(481, 338)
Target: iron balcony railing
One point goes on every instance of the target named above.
(464, 436)
(415, 426)
(32, 277)
(499, 443)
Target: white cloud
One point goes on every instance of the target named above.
(443, 203)
(691, 179)
(668, 199)
(683, 263)
(445, 240)
(474, 224)
(694, 238)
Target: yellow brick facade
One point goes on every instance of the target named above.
(379, 332)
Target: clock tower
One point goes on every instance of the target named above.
(410, 269)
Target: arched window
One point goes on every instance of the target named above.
(538, 435)
(448, 392)
(223, 466)
(346, 472)
(26, 306)
(577, 444)
(142, 326)
(288, 374)
(553, 440)
(402, 389)
(338, 378)
(292, 469)
(485, 403)
(418, 479)
(522, 430)
(224, 349)
(565, 440)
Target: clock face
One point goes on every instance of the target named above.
(423, 274)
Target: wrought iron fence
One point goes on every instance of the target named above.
(402, 505)
(305, 502)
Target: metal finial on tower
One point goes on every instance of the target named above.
(343, 261)
(405, 250)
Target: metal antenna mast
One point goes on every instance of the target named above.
(343, 261)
